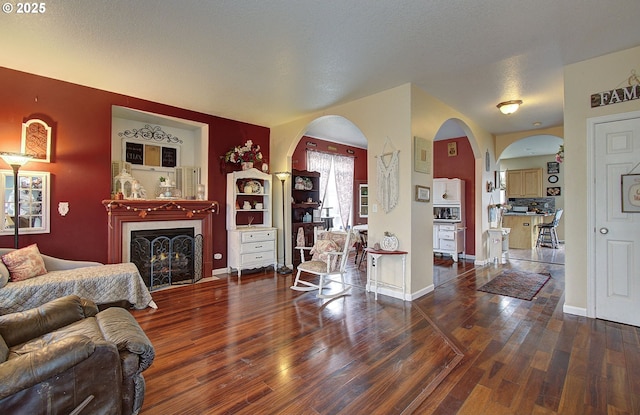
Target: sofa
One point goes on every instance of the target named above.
(102, 284)
(67, 356)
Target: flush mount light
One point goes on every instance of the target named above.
(509, 107)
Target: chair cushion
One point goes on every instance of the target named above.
(24, 263)
(314, 267)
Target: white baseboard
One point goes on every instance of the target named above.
(577, 311)
(422, 292)
(219, 271)
(394, 293)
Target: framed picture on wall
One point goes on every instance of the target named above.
(423, 193)
(553, 167)
(630, 193)
(553, 191)
(36, 140)
(452, 149)
(421, 155)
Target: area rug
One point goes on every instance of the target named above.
(517, 284)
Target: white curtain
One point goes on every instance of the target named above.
(343, 169)
(320, 162)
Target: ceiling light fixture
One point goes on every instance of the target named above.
(509, 107)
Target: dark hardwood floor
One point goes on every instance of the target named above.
(256, 347)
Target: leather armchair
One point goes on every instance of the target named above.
(65, 356)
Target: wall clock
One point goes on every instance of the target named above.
(553, 179)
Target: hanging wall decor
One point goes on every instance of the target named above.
(36, 140)
(630, 193)
(388, 177)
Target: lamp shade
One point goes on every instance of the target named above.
(509, 107)
(15, 159)
(282, 175)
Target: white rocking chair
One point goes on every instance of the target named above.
(330, 253)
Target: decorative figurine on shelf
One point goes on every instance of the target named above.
(246, 205)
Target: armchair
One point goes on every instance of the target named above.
(65, 356)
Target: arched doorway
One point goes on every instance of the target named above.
(454, 158)
(531, 152)
(330, 134)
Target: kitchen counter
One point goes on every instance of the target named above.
(523, 228)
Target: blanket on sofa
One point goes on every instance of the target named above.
(102, 284)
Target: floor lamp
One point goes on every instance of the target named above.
(284, 269)
(15, 160)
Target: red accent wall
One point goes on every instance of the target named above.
(462, 167)
(81, 160)
(299, 162)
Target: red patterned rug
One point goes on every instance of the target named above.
(517, 284)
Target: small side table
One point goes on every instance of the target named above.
(373, 255)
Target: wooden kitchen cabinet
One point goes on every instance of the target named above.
(524, 183)
(524, 233)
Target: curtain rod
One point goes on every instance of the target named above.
(332, 153)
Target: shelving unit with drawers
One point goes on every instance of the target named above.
(251, 238)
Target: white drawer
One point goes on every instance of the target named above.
(266, 257)
(447, 234)
(260, 246)
(447, 245)
(447, 227)
(255, 236)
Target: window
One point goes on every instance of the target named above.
(34, 212)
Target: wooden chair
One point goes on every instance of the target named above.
(330, 253)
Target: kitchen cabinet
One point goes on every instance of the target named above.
(524, 183)
(447, 191)
(448, 238)
(523, 232)
(251, 239)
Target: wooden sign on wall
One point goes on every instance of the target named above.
(615, 96)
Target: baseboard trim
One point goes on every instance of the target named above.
(576, 311)
(394, 293)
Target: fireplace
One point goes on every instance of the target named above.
(126, 216)
(167, 257)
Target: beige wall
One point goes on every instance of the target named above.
(399, 114)
(581, 80)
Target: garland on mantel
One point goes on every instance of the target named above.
(144, 211)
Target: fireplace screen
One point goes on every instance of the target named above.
(167, 256)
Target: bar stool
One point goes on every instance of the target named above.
(547, 231)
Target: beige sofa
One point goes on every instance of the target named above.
(100, 283)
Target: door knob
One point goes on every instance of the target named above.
(604, 231)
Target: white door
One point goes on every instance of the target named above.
(617, 233)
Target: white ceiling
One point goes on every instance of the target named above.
(273, 61)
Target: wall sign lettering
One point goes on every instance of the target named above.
(615, 96)
(134, 153)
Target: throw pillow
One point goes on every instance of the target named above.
(320, 252)
(4, 274)
(24, 263)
